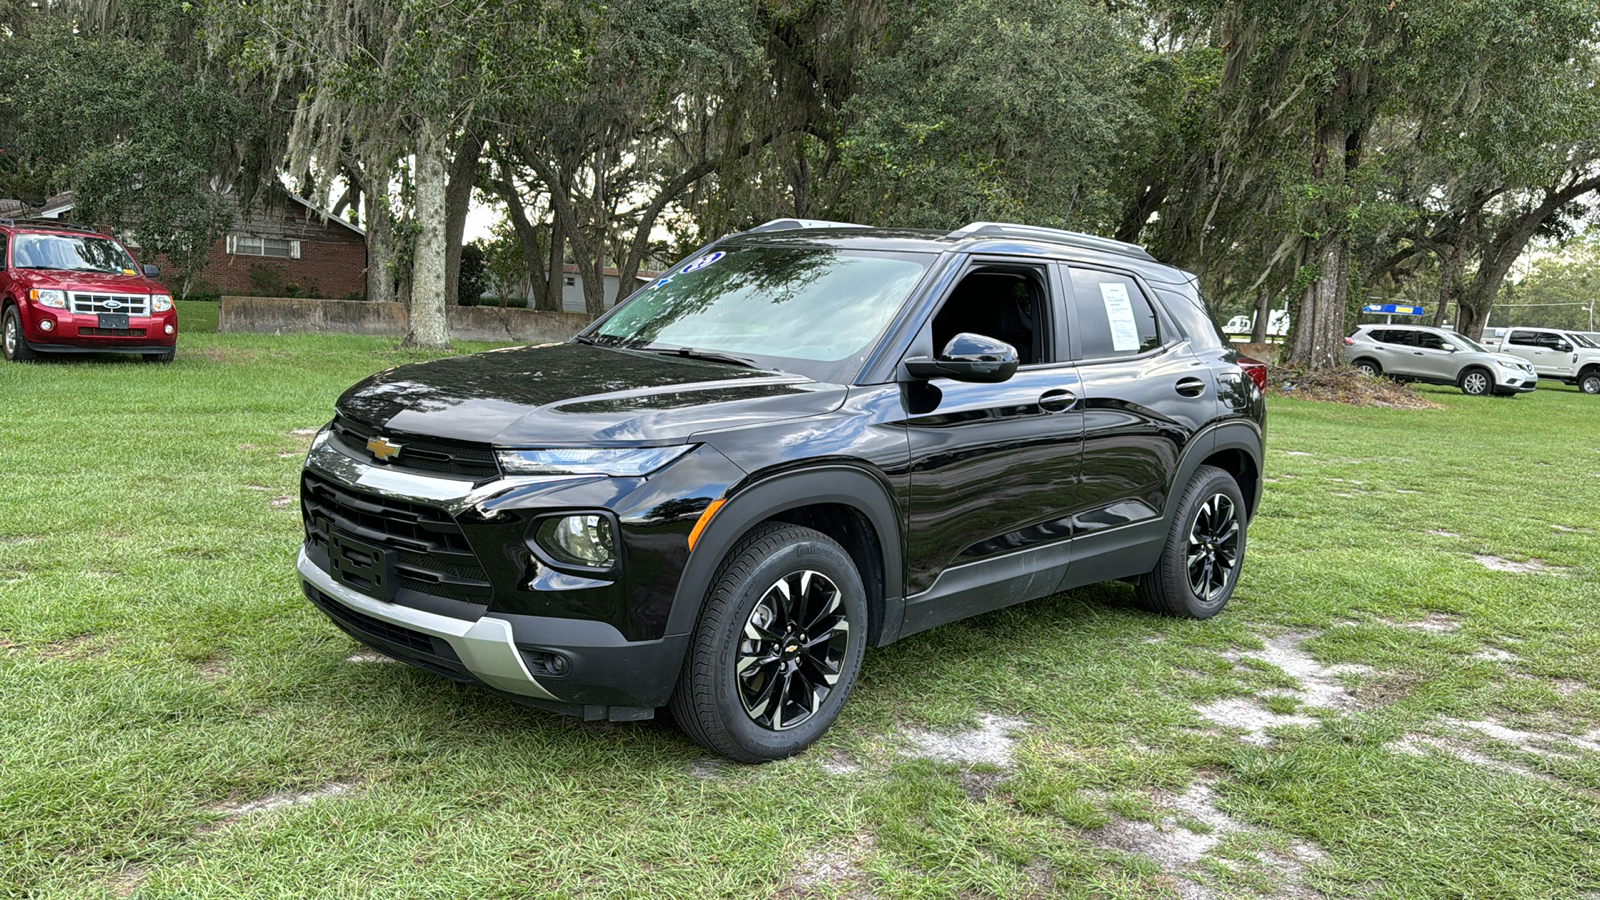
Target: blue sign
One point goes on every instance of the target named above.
(1393, 309)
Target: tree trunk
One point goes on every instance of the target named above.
(1258, 327)
(528, 241)
(1449, 272)
(380, 233)
(1317, 335)
(428, 325)
(458, 199)
(555, 292)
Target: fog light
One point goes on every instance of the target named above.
(545, 663)
(585, 540)
(170, 329)
(47, 324)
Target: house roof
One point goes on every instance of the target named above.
(327, 216)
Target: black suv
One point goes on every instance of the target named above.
(806, 439)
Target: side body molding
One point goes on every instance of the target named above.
(840, 484)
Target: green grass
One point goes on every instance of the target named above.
(158, 667)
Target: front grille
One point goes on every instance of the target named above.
(112, 332)
(475, 461)
(132, 304)
(430, 553)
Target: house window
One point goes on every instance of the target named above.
(246, 245)
(572, 281)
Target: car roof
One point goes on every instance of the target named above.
(979, 237)
(47, 226)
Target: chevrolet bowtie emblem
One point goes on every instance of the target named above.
(383, 448)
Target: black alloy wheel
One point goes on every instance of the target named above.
(777, 648)
(1214, 547)
(793, 650)
(1204, 552)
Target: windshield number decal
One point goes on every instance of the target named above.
(702, 262)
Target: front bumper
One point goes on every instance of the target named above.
(80, 333)
(505, 641)
(485, 648)
(1518, 382)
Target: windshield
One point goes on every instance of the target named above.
(72, 253)
(811, 310)
(1469, 344)
(1584, 342)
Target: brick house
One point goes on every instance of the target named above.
(284, 245)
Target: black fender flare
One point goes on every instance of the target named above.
(748, 506)
(1241, 435)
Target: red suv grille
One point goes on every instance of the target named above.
(90, 304)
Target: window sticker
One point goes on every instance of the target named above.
(702, 262)
(663, 281)
(1119, 311)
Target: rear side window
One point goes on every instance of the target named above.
(2, 250)
(1190, 312)
(1111, 316)
(1524, 338)
(1395, 336)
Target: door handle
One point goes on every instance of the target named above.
(1057, 400)
(1190, 387)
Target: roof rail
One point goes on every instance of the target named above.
(792, 224)
(1054, 235)
(52, 223)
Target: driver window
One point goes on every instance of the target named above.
(1430, 341)
(1004, 304)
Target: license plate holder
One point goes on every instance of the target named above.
(118, 321)
(362, 567)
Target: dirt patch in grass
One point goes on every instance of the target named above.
(1185, 834)
(282, 799)
(991, 743)
(827, 866)
(1432, 623)
(1343, 384)
(369, 656)
(80, 646)
(125, 882)
(213, 668)
(280, 502)
(1318, 686)
(1500, 564)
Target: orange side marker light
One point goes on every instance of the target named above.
(704, 520)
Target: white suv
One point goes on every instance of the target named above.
(1564, 356)
(1436, 356)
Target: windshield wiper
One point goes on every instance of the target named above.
(708, 355)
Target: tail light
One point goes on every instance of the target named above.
(1256, 370)
(1349, 341)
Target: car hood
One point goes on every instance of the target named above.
(579, 395)
(60, 279)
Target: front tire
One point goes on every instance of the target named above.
(1204, 553)
(12, 346)
(1589, 382)
(162, 358)
(778, 646)
(1476, 382)
(1368, 367)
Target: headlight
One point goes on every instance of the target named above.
(583, 540)
(619, 462)
(1506, 365)
(160, 302)
(56, 299)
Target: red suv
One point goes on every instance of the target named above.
(68, 289)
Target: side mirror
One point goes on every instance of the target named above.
(968, 357)
(151, 271)
(1564, 347)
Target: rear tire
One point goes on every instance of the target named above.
(12, 346)
(777, 648)
(1368, 367)
(1589, 382)
(1477, 382)
(1204, 553)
